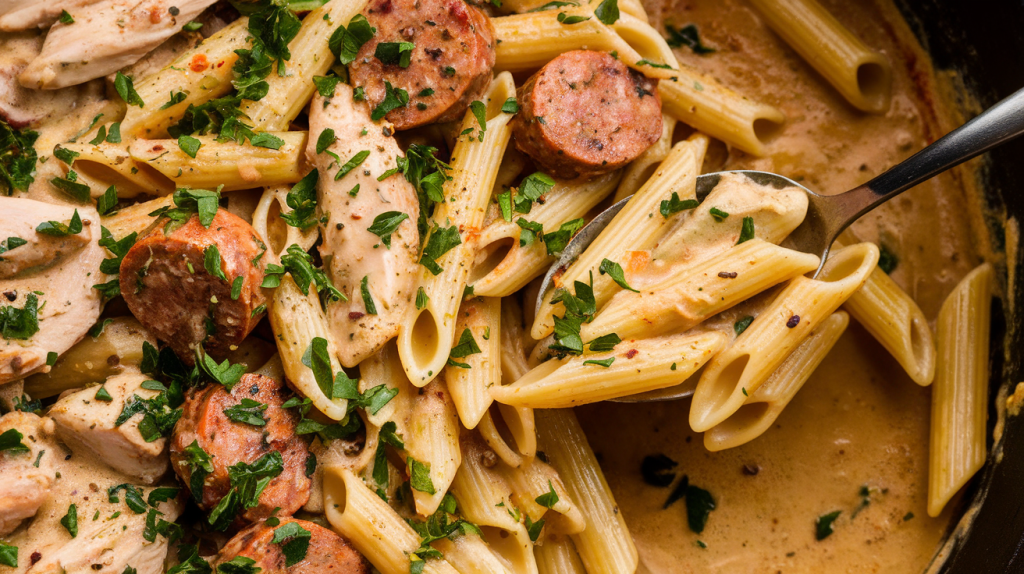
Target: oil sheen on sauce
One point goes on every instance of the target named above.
(859, 421)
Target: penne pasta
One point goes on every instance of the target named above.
(503, 265)
(526, 42)
(470, 554)
(532, 481)
(106, 164)
(296, 320)
(636, 366)
(709, 107)
(694, 293)
(200, 74)
(311, 56)
(385, 368)
(960, 392)
(760, 410)
(278, 235)
(425, 339)
(636, 227)
(605, 545)
(432, 439)
(557, 555)
(862, 76)
(481, 317)
(228, 164)
(377, 531)
(896, 321)
(135, 218)
(800, 307)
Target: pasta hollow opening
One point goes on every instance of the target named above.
(748, 417)
(765, 129)
(126, 187)
(727, 383)
(842, 266)
(425, 338)
(277, 229)
(490, 257)
(874, 82)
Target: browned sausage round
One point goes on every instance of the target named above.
(327, 552)
(228, 442)
(167, 286)
(448, 69)
(585, 113)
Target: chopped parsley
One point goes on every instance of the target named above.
(385, 224)
(656, 470)
(58, 229)
(675, 205)
(345, 42)
(19, 324)
(364, 291)
(607, 11)
(248, 411)
(302, 199)
(441, 241)
(394, 53)
(566, 19)
(747, 232)
(823, 525)
(742, 325)
(686, 36)
(394, 98)
(614, 270)
(294, 542)
(887, 260)
(126, 89)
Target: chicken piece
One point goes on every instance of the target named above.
(86, 424)
(352, 254)
(106, 37)
(30, 14)
(111, 528)
(21, 217)
(60, 297)
(27, 476)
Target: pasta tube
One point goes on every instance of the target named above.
(526, 42)
(695, 293)
(135, 218)
(557, 555)
(373, 527)
(432, 439)
(425, 339)
(266, 220)
(895, 320)
(311, 56)
(638, 226)
(296, 320)
(605, 545)
(228, 164)
(530, 482)
(470, 554)
(862, 76)
(485, 499)
(201, 74)
(635, 366)
(960, 391)
(801, 306)
(106, 164)
(481, 317)
(760, 410)
(504, 266)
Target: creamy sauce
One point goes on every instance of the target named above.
(859, 421)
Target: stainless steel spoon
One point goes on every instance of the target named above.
(828, 215)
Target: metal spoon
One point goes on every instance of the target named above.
(828, 215)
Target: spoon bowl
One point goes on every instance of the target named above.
(828, 215)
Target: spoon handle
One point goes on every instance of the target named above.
(996, 125)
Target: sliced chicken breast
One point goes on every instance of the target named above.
(368, 267)
(85, 422)
(27, 476)
(106, 37)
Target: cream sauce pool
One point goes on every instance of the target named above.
(859, 421)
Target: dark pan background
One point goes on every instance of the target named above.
(984, 41)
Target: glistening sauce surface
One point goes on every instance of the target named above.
(859, 421)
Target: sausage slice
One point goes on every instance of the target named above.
(229, 442)
(585, 114)
(167, 285)
(449, 67)
(327, 552)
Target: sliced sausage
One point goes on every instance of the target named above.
(585, 113)
(449, 68)
(351, 252)
(166, 284)
(229, 442)
(327, 552)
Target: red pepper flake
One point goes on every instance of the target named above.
(36, 557)
(199, 63)
(793, 321)
(631, 353)
(355, 315)
(354, 216)
(727, 274)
